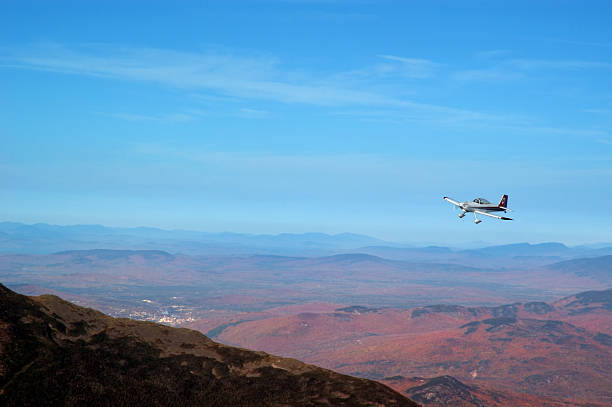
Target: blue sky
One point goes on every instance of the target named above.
(295, 116)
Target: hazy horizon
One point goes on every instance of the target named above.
(284, 116)
(417, 244)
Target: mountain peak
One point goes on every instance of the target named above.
(53, 352)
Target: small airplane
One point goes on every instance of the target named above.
(481, 206)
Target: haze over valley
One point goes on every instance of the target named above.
(528, 321)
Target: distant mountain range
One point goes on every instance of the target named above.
(110, 277)
(500, 256)
(43, 238)
(597, 268)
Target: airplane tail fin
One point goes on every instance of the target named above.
(504, 201)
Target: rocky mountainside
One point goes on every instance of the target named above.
(586, 302)
(443, 391)
(53, 352)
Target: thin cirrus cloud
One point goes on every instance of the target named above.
(506, 69)
(246, 77)
(228, 75)
(188, 116)
(162, 119)
(264, 78)
(528, 64)
(492, 54)
(410, 67)
(487, 75)
(393, 67)
(249, 113)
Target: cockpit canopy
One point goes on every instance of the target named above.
(481, 201)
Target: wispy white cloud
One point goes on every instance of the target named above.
(224, 76)
(409, 67)
(527, 64)
(188, 115)
(249, 113)
(165, 118)
(536, 130)
(492, 54)
(486, 75)
(214, 99)
(504, 70)
(246, 77)
(254, 77)
(392, 67)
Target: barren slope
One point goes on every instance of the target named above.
(55, 353)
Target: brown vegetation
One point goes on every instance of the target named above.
(55, 353)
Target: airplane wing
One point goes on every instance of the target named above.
(491, 215)
(452, 201)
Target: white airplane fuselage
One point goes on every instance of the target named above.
(481, 206)
(468, 206)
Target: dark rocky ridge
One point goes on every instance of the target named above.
(53, 352)
(445, 390)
